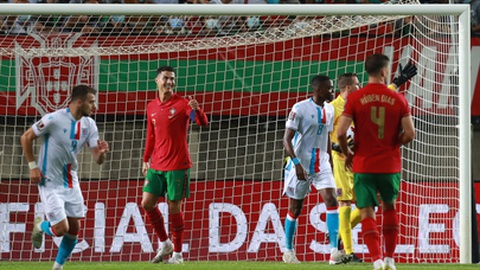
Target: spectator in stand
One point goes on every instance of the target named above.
(84, 23)
(475, 9)
(22, 24)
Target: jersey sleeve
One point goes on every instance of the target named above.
(197, 116)
(43, 126)
(331, 115)
(93, 138)
(349, 107)
(294, 118)
(150, 140)
(405, 107)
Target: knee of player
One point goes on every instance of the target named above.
(147, 206)
(330, 200)
(174, 207)
(60, 230)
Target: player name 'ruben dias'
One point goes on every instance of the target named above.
(375, 97)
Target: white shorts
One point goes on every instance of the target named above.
(298, 190)
(60, 203)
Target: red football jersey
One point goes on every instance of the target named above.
(377, 112)
(167, 126)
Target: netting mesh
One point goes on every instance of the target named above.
(246, 72)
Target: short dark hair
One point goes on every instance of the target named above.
(81, 91)
(346, 79)
(319, 79)
(375, 63)
(165, 68)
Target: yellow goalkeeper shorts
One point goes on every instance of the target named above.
(343, 179)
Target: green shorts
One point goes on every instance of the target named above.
(175, 184)
(366, 186)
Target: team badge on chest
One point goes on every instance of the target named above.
(172, 113)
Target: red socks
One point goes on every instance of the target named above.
(371, 237)
(156, 220)
(390, 231)
(177, 231)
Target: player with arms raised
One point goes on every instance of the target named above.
(382, 124)
(167, 162)
(64, 133)
(307, 143)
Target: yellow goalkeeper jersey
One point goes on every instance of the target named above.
(338, 105)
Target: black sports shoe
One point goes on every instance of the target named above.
(352, 258)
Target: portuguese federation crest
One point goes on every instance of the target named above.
(48, 72)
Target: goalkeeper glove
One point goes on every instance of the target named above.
(405, 74)
(336, 147)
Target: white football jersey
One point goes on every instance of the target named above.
(62, 139)
(312, 124)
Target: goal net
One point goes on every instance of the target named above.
(246, 71)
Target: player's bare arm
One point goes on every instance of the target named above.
(99, 153)
(344, 124)
(408, 133)
(27, 145)
(329, 151)
(287, 143)
(145, 167)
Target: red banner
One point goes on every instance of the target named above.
(39, 88)
(226, 220)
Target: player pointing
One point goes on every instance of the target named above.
(166, 161)
(64, 133)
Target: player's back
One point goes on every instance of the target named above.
(377, 112)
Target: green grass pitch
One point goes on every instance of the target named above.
(224, 265)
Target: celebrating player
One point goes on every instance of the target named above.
(382, 124)
(307, 143)
(64, 133)
(166, 161)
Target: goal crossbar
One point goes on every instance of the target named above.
(169, 9)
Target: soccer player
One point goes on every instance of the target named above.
(307, 143)
(64, 133)
(166, 161)
(348, 219)
(382, 124)
(348, 83)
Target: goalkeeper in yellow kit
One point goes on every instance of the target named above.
(348, 219)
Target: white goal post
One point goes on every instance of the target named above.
(458, 65)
